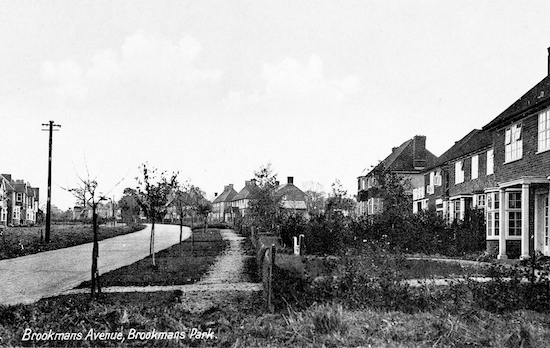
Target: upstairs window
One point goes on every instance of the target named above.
(490, 161)
(459, 172)
(475, 167)
(513, 143)
(19, 197)
(544, 130)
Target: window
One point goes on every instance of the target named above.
(513, 143)
(456, 211)
(493, 214)
(544, 130)
(19, 197)
(459, 172)
(480, 201)
(475, 167)
(437, 178)
(513, 211)
(490, 161)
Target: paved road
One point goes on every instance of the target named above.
(29, 278)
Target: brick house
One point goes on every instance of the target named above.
(292, 198)
(458, 180)
(21, 200)
(518, 221)
(240, 203)
(222, 205)
(409, 161)
(6, 191)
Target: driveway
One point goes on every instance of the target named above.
(29, 278)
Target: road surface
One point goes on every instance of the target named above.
(29, 278)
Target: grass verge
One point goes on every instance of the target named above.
(21, 241)
(235, 319)
(180, 264)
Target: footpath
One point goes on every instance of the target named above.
(226, 274)
(29, 278)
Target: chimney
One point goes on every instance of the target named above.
(247, 183)
(290, 180)
(230, 186)
(277, 183)
(419, 151)
(548, 61)
(215, 194)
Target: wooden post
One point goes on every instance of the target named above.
(270, 305)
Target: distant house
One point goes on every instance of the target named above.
(5, 200)
(222, 205)
(240, 202)
(459, 178)
(408, 161)
(292, 198)
(22, 201)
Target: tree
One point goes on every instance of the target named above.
(186, 198)
(315, 198)
(339, 201)
(204, 208)
(266, 206)
(153, 195)
(87, 196)
(129, 205)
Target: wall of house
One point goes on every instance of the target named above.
(469, 186)
(531, 163)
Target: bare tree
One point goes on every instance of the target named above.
(154, 197)
(86, 195)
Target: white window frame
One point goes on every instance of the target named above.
(513, 213)
(490, 162)
(492, 204)
(513, 143)
(437, 178)
(459, 172)
(475, 167)
(544, 131)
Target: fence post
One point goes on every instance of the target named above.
(270, 305)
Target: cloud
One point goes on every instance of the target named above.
(292, 81)
(145, 68)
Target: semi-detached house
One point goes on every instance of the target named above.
(505, 169)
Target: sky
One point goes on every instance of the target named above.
(214, 90)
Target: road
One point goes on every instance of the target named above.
(29, 278)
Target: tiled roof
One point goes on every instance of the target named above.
(473, 141)
(401, 159)
(291, 192)
(245, 193)
(536, 99)
(226, 196)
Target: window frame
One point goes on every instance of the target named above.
(459, 169)
(492, 208)
(513, 143)
(543, 135)
(513, 213)
(475, 168)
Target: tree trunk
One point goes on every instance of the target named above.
(152, 248)
(95, 255)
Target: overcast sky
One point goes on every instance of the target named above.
(216, 89)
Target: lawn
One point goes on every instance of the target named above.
(21, 241)
(180, 264)
(238, 320)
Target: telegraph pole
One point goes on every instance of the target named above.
(50, 126)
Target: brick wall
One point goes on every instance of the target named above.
(482, 182)
(531, 163)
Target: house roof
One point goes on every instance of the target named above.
(535, 100)
(247, 191)
(401, 159)
(475, 140)
(291, 192)
(226, 196)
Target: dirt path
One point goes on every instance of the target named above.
(29, 278)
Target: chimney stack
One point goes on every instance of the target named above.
(277, 183)
(419, 151)
(290, 180)
(548, 61)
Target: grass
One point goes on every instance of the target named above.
(21, 241)
(180, 264)
(426, 269)
(237, 320)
